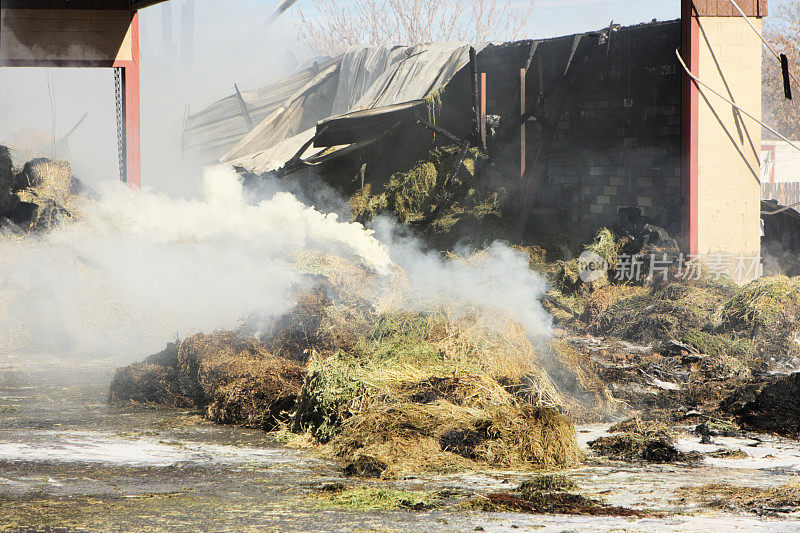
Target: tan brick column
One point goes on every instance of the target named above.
(725, 218)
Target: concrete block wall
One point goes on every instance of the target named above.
(618, 137)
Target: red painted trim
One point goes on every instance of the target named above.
(132, 110)
(690, 50)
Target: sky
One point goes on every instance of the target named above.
(552, 18)
(231, 46)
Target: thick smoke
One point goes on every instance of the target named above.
(138, 269)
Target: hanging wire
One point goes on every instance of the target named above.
(734, 104)
(739, 108)
(52, 96)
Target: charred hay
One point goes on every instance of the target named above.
(771, 406)
(155, 381)
(548, 494)
(637, 440)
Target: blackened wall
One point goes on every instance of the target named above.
(604, 136)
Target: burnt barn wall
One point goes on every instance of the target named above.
(606, 135)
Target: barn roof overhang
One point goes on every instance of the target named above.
(117, 5)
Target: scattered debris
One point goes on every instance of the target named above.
(762, 501)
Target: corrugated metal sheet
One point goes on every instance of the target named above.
(212, 132)
(369, 78)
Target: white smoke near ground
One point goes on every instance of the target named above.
(138, 269)
(497, 279)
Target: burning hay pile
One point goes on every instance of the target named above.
(34, 197)
(388, 390)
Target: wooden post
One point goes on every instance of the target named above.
(476, 112)
(522, 125)
(483, 111)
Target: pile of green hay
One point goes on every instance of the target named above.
(433, 193)
(428, 392)
(767, 312)
(753, 323)
(661, 312)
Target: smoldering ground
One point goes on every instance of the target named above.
(136, 269)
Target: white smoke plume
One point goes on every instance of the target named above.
(138, 269)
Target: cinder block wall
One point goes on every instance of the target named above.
(729, 143)
(618, 138)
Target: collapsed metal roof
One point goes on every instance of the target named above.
(365, 78)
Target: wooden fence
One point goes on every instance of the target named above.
(786, 193)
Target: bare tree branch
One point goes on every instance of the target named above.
(340, 24)
(783, 32)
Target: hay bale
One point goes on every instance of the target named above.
(49, 179)
(38, 196)
(423, 194)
